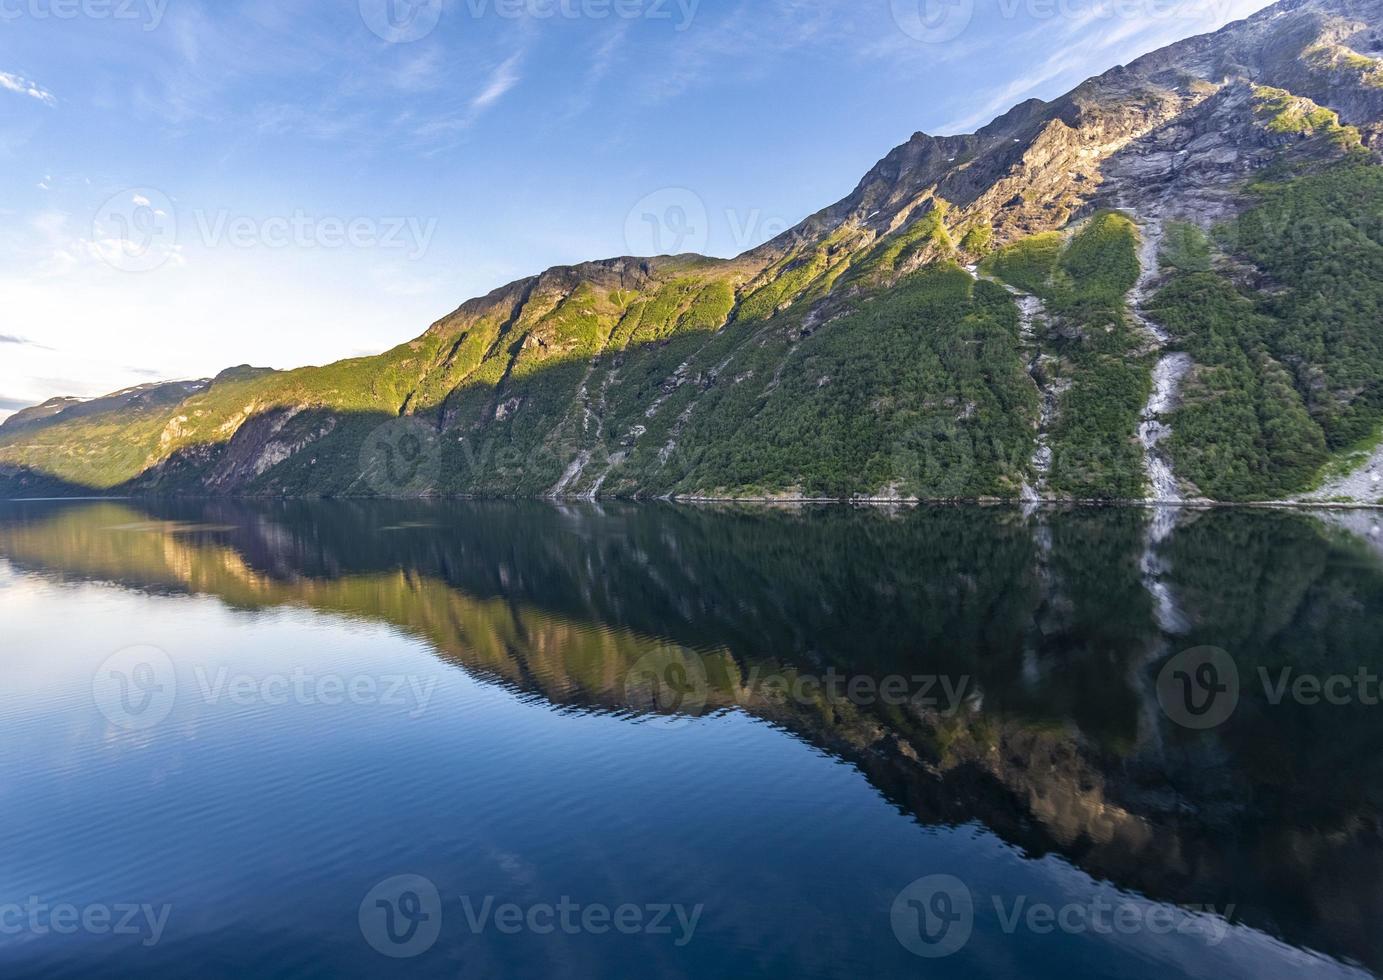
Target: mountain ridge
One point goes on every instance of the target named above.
(695, 376)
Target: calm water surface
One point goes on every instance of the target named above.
(456, 740)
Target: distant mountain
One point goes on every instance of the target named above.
(1165, 284)
(129, 401)
(44, 410)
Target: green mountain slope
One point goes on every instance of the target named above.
(862, 353)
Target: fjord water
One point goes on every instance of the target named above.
(262, 733)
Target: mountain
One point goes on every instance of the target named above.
(1165, 284)
(140, 398)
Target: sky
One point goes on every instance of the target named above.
(187, 185)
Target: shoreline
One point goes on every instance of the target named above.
(1148, 504)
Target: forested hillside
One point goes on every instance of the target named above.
(1163, 285)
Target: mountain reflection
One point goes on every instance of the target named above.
(1058, 623)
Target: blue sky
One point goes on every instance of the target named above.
(186, 185)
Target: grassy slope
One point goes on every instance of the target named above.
(830, 370)
(609, 372)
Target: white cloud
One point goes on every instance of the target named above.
(500, 81)
(505, 77)
(22, 86)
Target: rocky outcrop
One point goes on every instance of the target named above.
(1362, 483)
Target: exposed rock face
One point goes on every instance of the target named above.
(1193, 167)
(1179, 116)
(1362, 484)
(1193, 164)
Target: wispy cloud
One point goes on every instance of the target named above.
(23, 86)
(602, 61)
(421, 73)
(13, 404)
(1056, 66)
(497, 84)
(746, 39)
(1086, 42)
(9, 338)
(502, 79)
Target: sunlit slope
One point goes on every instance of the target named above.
(861, 353)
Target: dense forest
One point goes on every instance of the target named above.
(1281, 314)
